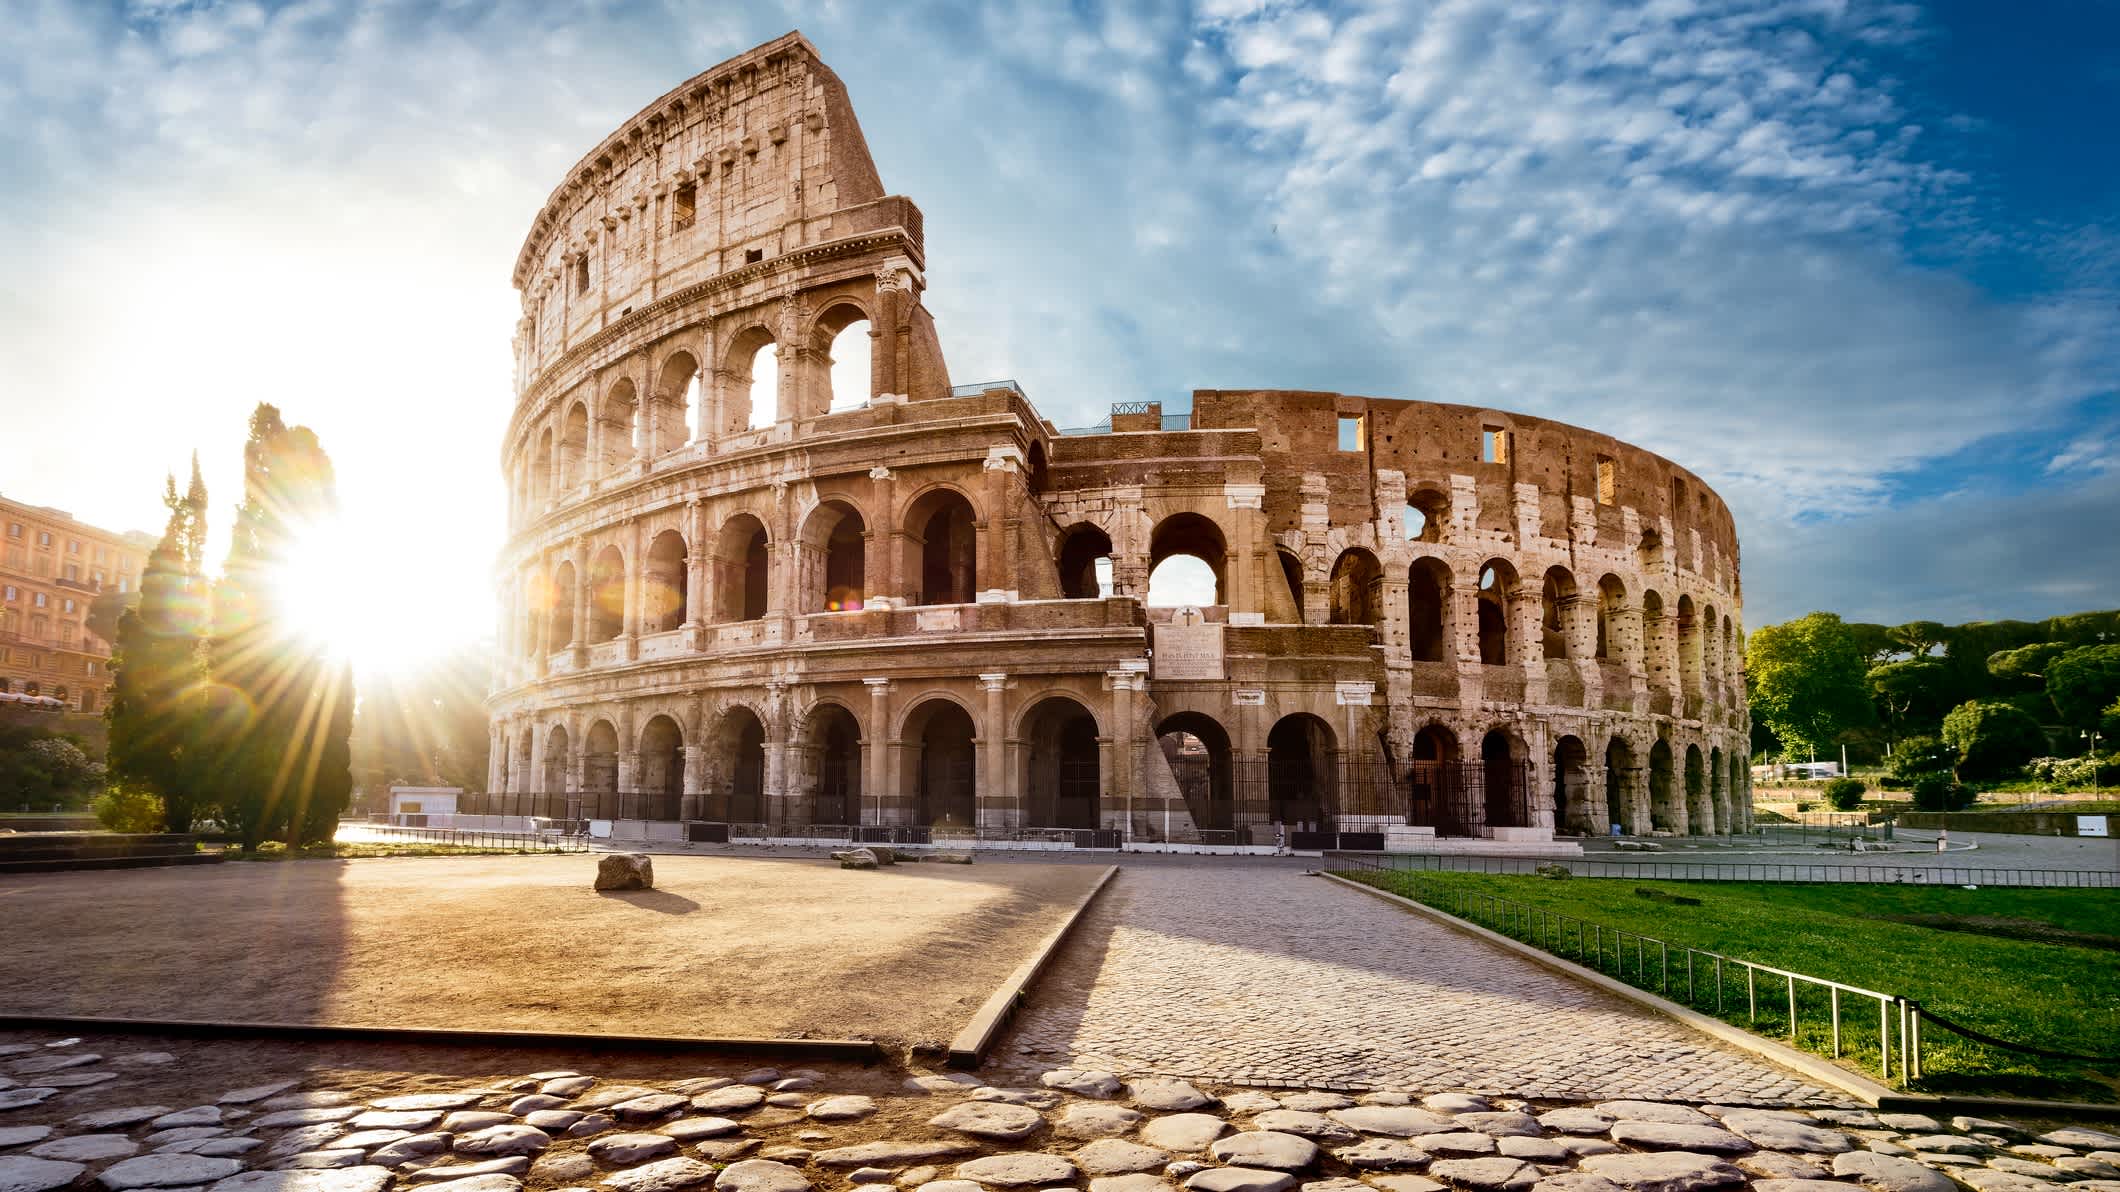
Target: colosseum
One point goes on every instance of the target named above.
(739, 601)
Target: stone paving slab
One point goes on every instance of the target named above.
(1260, 975)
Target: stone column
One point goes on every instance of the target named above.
(1635, 817)
(778, 799)
(628, 771)
(995, 571)
(1594, 818)
(1248, 549)
(1123, 781)
(695, 782)
(992, 803)
(879, 789)
(636, 589)
(581, 600)
(886, 370)
(879, 556)
(1527, 644)
(695, 571)
(496, 758)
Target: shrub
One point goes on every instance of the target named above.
(1922, 755)
(1845, 794)
(1938, 791)
(1993, 740)
(129, 809)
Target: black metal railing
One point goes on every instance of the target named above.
(1851, 872)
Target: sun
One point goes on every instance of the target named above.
(334, 588)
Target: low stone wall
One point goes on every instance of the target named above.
(2012, 823)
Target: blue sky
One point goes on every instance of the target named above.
(1857, 264)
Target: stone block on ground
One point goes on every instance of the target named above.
(27, 1173)
(1494, 1174)
(1083, 1082)
(997, 1120)
(1668, 1171)
(1116, 1156)
(1266, 1148)
(1187, 1133)
(1022, 1169)
(624, 1150)
(343, 1179)
(664, 1175)
(856, 858)
(166, 1171)
(625, 871)
(761, 1175)
(1239, 1179)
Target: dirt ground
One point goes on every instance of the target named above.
(722, 946)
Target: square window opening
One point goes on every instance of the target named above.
(684, 206)
(1494, 445)
(1607, 480)
(1351, 436)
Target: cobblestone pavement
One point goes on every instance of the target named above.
(133, 1115)
(1261, 975)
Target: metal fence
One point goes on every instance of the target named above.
(559, 838)
(1736, 871)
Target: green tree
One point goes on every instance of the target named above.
(2025, 665)
(281, 708)
(1992, 740)
(1919, 638)
(1807, 681)
(1938, 791)
(1910, 694)
(2083, 683)
(1844, 794)
(157, 668)
(1917, 756)
(1874, 643)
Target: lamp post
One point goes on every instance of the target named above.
(2091, 735)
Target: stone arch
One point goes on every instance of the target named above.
(1700, 816)
(660, 776)
(1571, 787)
(559, 624)
(1427, 515)
(600, 767)
(574, 446)
(541, 470)
(1497, 585)
(746, 403)
(942, 547)
(1428, 611)
(619, 415)
(835, 549)
(1556, 605)
(1196, 747)
(1292, 581)
(607, 595)
(1357, 588)
(1666, 813)
(1085, 562)
(525, 748)
(1718, 794)
(558, 780)
(1061, 774)
(736, 767)
(1689, 647)
(829, 754)
(843, 333)
(1301, 774)
(1611, 604)
(940, 763)
(1435, 782)
(1620, 769)
(1505, 779)
(742, 569)
(676, 396)
(1189, 535)
(667, 576)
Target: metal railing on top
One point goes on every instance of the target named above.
(978, 387)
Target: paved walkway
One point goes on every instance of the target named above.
(1257, 974)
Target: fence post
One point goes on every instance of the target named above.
(1836, 1021)
(1792, 1009)
(1752, 992)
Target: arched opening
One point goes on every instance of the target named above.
(607, 595)
(1427, 511)
(1611, 602)
(741, 570)
(666, 579)
(1428, 610)
(557, 779)
(1172, 580)
(1700, 817)
(1505, 779)
(1437, 791)
(599, 770)
(1650, 552)
(559, 623)
(1664, 809)
(943, 544)
(1085, 562)
(520, 780)
(737, 794)
(1300, 786)
(1292, 577)
(940, 761)
(1556, 596)
(541, 469)
(843, 333)
(617, 419)
(1688, 647)
(1620, 768)
(1653, 631)
(1197, 750)
(574, 446)
(832, 748)
(835, 541)
(1497, 585)
(1062, 778)
(676, 389)
(1571, 787)
(1718, 794)
(1357, 588)
(661, 780)
(1035, 474)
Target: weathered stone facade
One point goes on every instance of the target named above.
(929, 607)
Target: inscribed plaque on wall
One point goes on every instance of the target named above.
(1188, 646)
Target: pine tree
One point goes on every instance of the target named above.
(156, 666)
(282, 708)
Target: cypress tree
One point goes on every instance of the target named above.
(281, 708)
(156, 665)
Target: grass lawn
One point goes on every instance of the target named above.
(2040, 967)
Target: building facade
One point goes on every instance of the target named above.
(51, 569)
(734, 594)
